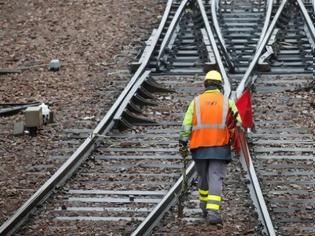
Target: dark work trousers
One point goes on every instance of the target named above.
(210, 176)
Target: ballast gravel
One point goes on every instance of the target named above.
(94, 40)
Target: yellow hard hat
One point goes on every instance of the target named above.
(214, 75)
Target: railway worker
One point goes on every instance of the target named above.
(204, 126)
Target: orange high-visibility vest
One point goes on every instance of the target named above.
(209, 121)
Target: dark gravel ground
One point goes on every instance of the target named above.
(299, 89)
(94, 41)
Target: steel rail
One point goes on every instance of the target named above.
(246, 78)
(227, 86)
(307, 19)
(266, 23)
(74, 161)
(146, 227)
(254, 187)
(171, 30)
(217, 30)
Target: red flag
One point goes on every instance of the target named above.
(235, 140)
(244, 106)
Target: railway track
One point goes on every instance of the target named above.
(127, 172)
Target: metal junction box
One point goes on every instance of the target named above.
(33, 117)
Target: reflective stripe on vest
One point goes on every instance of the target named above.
(209, 121)
(199, 124)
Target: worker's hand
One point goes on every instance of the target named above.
(240, 127)
(232, 120)
(183, 150)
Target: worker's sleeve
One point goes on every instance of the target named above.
(234, 109)
(187, 124)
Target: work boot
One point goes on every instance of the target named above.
(202, 206)
(214, 217)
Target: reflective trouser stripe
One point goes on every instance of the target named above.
(212, 206)
(203, 195)
(204, 199)
(213, 202)
(214, 198)
(203, 192)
